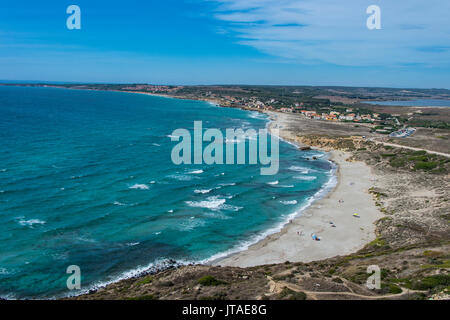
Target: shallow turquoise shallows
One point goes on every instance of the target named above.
(86, 179)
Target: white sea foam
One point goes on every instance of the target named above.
(316, 155)
(156, 144)
(229, 207)
(84, 239)
(180, 177)
(289, 202)
(204, 191)
(196, 172)
(306, 178)
(140, 186)
(31, 222)
(117, 203)
(257, 115)
(299, 169)
(170, 211)
(213, 203)
(3, 271)
(190, 224)
(226, 184)
(273, 183)
(217, 215)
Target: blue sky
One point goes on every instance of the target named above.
(288, 42)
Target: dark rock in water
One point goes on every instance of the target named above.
(305, 148)
(314, 158)
(307, 159)
(93, 291)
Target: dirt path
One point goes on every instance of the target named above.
(412, 148)
(277, 287)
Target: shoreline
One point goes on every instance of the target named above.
(349, 233)
(270, 249)
(287, 233)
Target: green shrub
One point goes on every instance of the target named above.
(431, 253)
(394, 289)
(420, 165)
(438, 264)
(378, 242)
(397, 163)
(289, 294)
(418, 153)
(439, 170)
(146, 280)
(359, 277)
(432, 282)
(423, 158)
(209, 281)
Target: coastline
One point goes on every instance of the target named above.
(413, 231)
(294, 242)
(271, 249)
(350, 234)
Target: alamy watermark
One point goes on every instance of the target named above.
(74, 280)
(213, 153)
(73, 22)
(374, 20)
(374, 281)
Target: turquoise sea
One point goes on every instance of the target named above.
(86, 179)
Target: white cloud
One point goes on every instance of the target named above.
(413, 31)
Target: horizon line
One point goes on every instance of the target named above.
(3, 82)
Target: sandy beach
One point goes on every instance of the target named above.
(330, 218)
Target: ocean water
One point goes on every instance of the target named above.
(415, 103)
(86, 179)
